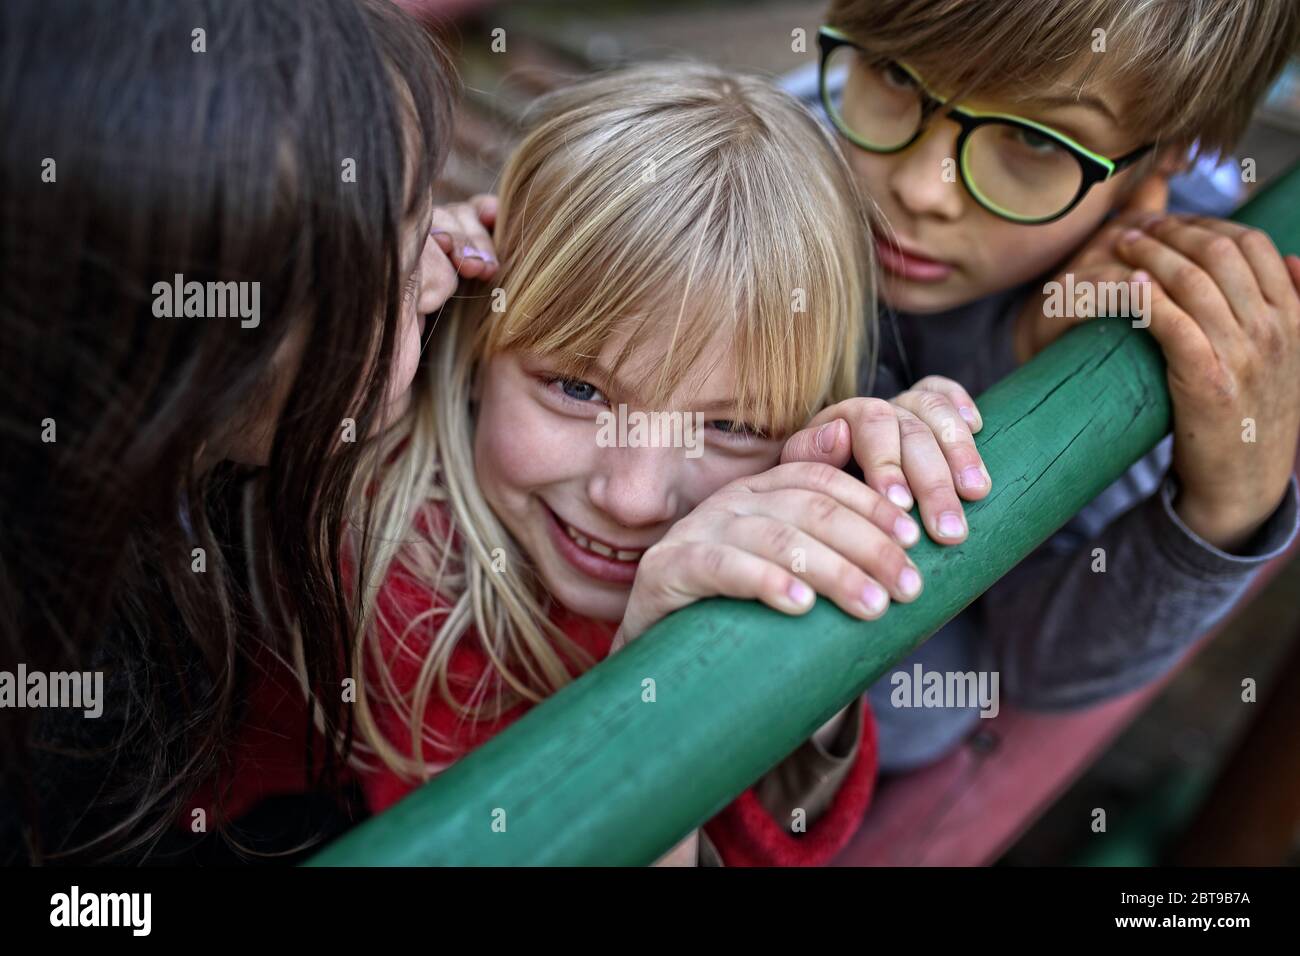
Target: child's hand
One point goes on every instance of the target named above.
(777, 537)
(1096, 263)
(1225, 310)
(917, 446)
(461, 231)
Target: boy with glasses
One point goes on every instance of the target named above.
(995, 138)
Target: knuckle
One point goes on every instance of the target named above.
(779, 536)
(819, 476)
(933, 402)
(1256, 240)
(823, 510)
(1273, 339)
(886, 468)
(713, 561)
(1191, 279)
(701, 559)
(877, 409)
(938, 488)
(912, 427)
(1219, 246)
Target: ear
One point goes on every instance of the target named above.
(438, 278)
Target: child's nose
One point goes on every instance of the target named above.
(637, 487)
(925, 177)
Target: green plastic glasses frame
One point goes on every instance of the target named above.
(1093, 167)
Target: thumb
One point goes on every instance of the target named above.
(828, 443)
(1150, 195)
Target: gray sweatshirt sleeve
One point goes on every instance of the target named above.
(1063, 632)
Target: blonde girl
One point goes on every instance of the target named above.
(674, 240)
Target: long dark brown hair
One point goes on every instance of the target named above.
(144, 139)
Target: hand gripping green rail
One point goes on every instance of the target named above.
(594, 775)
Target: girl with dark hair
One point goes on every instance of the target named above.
(175, 486)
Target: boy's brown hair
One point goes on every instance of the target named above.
(1192, 70)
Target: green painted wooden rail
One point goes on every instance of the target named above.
(594, 775)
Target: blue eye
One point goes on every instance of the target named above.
(578, 390)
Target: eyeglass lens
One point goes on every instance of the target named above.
(1017, 170)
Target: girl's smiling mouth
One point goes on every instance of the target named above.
(594, 558)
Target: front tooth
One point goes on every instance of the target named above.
(627, 555)
(601, 549)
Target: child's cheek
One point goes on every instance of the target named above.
(521, 446)
(1016, 253)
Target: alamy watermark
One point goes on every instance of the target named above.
(209, 300)
(76, 690)
(1088, 300)
(75, 908)
(624, 429)
(922, 688)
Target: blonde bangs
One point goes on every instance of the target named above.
(716, 218)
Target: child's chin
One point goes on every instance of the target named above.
(590, 599)
(923, 298)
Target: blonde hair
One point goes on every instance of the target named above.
(662, 193)
(1192, 70)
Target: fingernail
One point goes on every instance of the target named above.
(909, 583)
(906, 531)
(968, 414)
(800, 593)
(473, 252)
(972, 478)
(874, 599)
(1141, 276)
(1131, 235)
(1150, 219)
(951, 525)
(438, 232)
(825, 440)
(899, 496)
